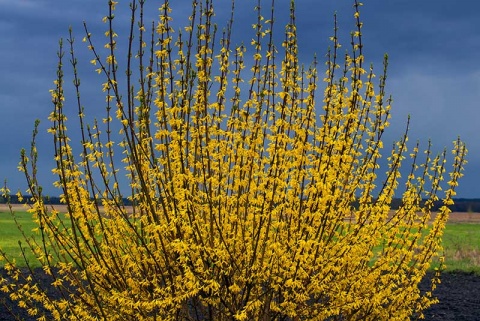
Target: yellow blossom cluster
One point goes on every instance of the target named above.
(247, 195)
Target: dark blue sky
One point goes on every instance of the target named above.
(433, 45)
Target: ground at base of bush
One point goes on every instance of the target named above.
(459, 295)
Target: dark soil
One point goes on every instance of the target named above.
(459, 295)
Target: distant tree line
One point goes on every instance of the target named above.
(461, 204)
(49, 200)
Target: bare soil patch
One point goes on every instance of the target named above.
(464, 217)
(459, 296)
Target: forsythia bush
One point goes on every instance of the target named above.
(248, 195)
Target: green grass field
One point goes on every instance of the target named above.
(10, 235)
(461, 242)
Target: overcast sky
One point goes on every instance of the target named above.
(434, 70)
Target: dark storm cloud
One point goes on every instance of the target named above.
(433, 49)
